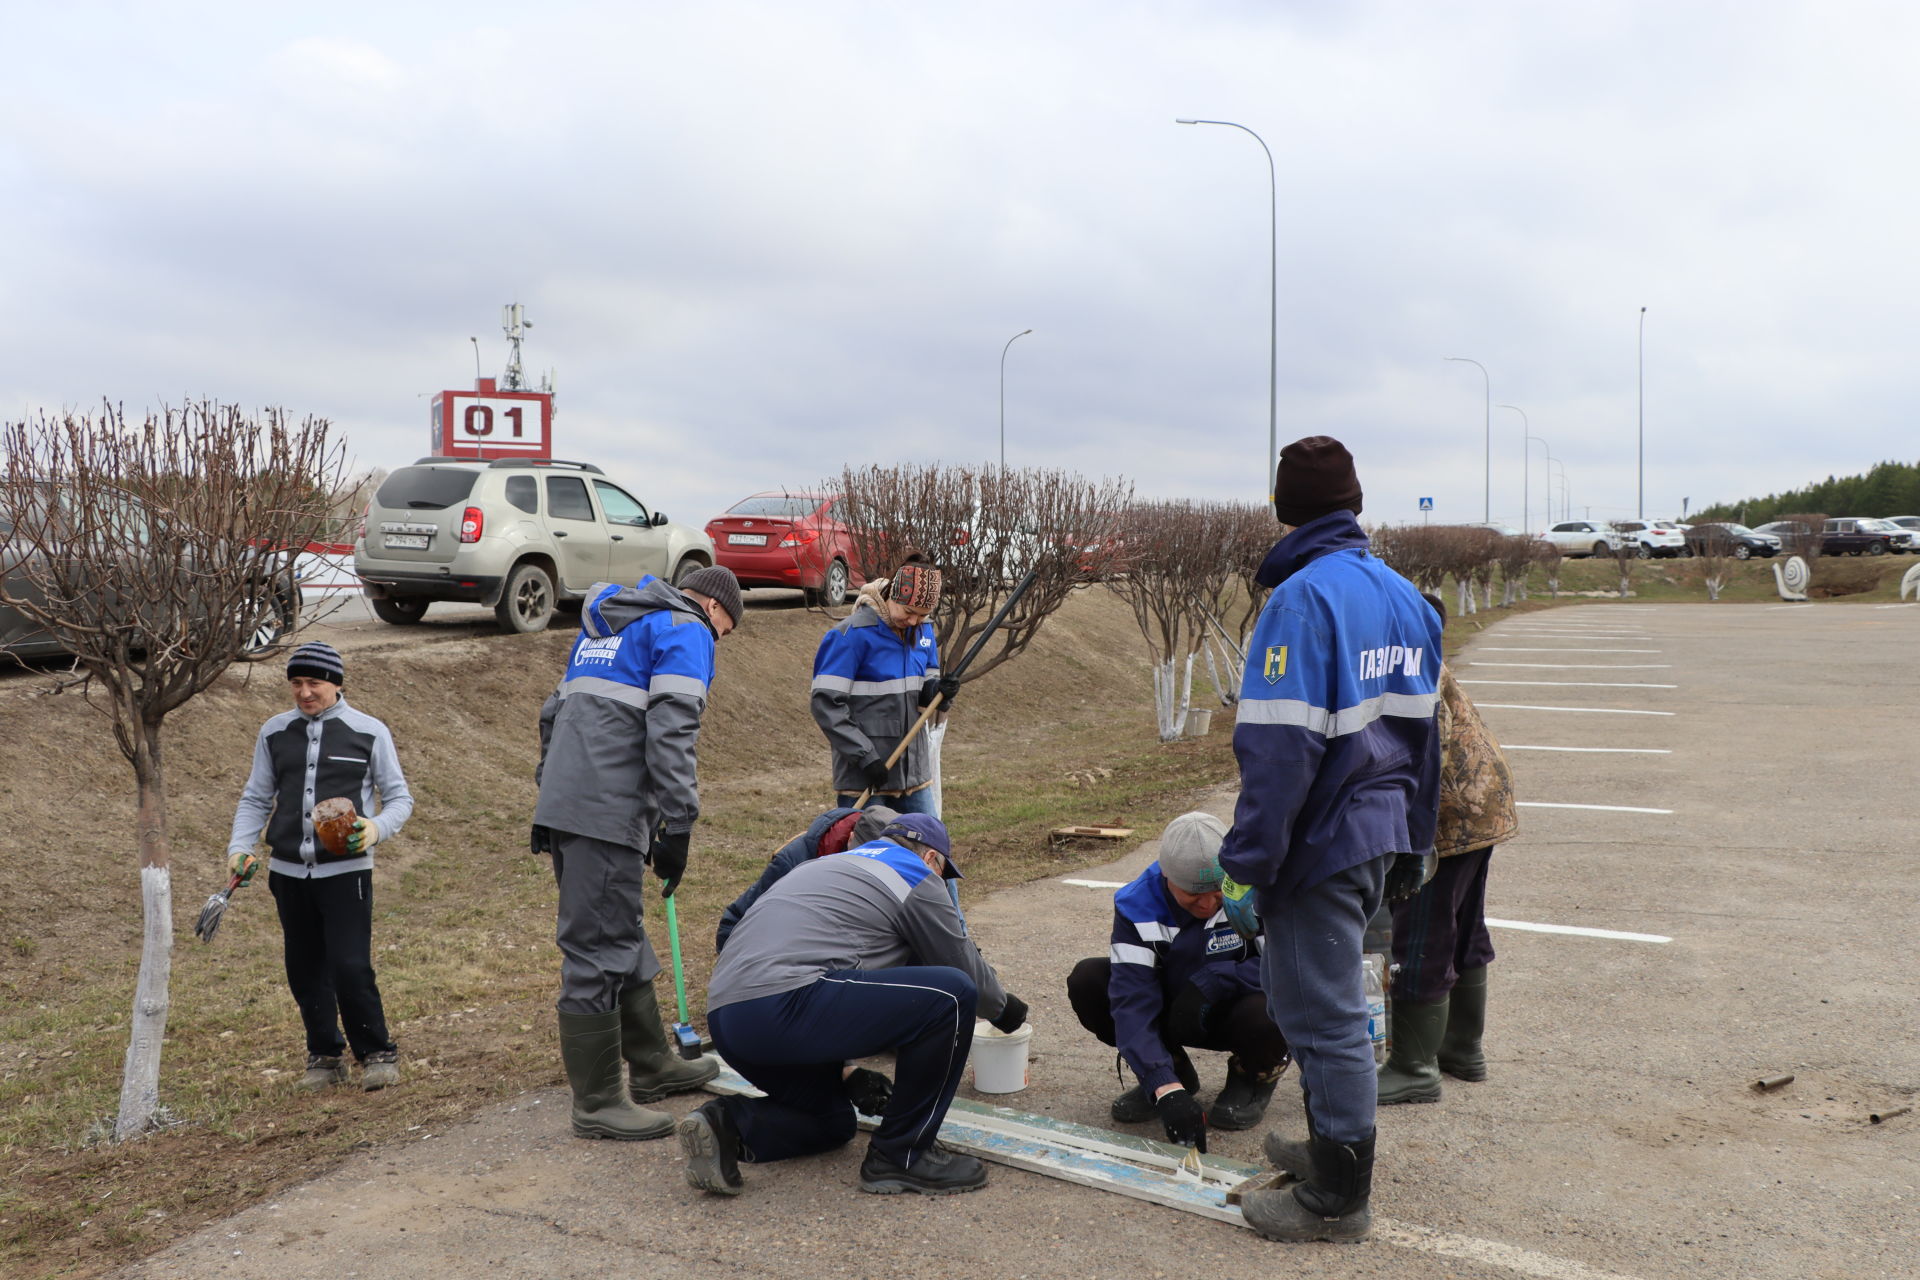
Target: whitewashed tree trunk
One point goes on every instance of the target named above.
(936, 738)
(1465, 596)
(1186, 698)
(1166, 700)
(1489, 593)
(1713, 588)
(140, 1081)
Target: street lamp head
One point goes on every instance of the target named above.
(1184, 120)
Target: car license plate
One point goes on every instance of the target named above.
(746, 539)
(406, 542)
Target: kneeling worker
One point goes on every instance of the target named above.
(1178, 975)
(844, 957)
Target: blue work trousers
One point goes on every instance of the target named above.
(1315, 991)
(794, 1045)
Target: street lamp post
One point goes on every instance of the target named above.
(1273, 299)
(1640, 378)
(1487, 385)
(1566, 488)
(1003, 396)
(1549, 452)
(1525, 427)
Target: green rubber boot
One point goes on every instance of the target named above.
(656, 1070)
(590, 1047)
(1411, 1073)
(1460, 1054)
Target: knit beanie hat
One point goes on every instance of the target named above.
(916, 585)
(317, 660)
(717, 583)
(1190, 852)
(1315, 477)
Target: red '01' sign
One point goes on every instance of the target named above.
(493, 424)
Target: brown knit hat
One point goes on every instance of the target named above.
(916, 585)
(1315, 477)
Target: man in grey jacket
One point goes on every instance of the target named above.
(618, 792)
(845, 957)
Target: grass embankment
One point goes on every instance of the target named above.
(464, 916)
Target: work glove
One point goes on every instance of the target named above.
(948, 687)
(1185, 1122)
(540, 839)
(243, 864)
(1408, 874)
(365, 835)
(669, 857)
(1242, 906)
(868, 1091)
(1013, 1017)
(875, 772)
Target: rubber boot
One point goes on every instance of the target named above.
(1411, 1073)
(1331, 1205)
(1292, 1155)
(1460, 1053)
(656, 1069)
(1135, 1106)
(1242, 1103)
(590, 1047)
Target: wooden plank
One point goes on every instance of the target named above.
(1098, 833)
(1141, 1168)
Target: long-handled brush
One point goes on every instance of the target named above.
(209, 922)
(684, 1035)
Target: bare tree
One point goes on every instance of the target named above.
(1549, 557)
(1626, 554)
(986, 529)
(1172, 546)
(152, 551)
(1805, 536)
(1714, 544)
(1516, 556)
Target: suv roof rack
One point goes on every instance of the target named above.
(547, 462)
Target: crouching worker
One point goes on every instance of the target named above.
(1178, 976)
(844, 957)
(834, 831)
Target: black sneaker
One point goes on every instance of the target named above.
(938, 1172)
(712, 1145)
(1135, 1106)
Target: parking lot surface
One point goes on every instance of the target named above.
(1714, 883)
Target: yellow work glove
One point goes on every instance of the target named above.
(242, 864)
(366, 834)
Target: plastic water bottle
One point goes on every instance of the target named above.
(1375, 967)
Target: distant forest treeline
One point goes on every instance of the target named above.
(1890, 489)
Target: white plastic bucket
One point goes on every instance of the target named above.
(1199, 721)
(1000, 1059)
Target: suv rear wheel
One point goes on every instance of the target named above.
(527, 603)
(401, 613)
(1602, 549)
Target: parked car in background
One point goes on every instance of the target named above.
(520, 535)
(783, 539)
(1854, 536)
(1584, 537)
(1903, 538)
(1912, 525)
(1740, 542)
(1653, 538)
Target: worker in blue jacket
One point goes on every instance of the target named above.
(1339, 788)
(1178, 975)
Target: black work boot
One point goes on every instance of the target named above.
(590, 1048)
(1331, 1205)
(1410, 1073)
(1460, 1053)
(712, 1145)
(1291, 1154)
(323, 1071)
(656, 1070)
(1242, 1103)
(936, 1172)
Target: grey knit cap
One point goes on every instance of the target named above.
(1190, 852)
(316, 660)
(717, 583)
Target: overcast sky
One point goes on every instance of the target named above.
(758, 241)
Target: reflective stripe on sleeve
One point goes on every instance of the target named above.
(1126, 953)
(691, 686)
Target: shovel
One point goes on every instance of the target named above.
(208, 923)
(684, 1036)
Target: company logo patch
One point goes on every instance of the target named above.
(926, 642)
(1221, 941)
(1276, 665)
(600, 649)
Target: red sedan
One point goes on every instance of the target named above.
(783, 539)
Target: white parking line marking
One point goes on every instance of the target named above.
(1097, 884)
(1580, 666)
(1609, 711)
(1577, 684)
(1638, 751)
(1493, 649)
(1604, 808)
(1577, 931)
(1542, 1266)
(1908, 605)
(1803, 605)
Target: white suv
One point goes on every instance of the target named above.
(522, 535)
(1583, 537)
(1655, 537)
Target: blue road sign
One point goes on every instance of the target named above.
(1426, 504)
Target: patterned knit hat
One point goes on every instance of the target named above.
(316, 660)
(916, 586)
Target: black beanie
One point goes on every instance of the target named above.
(316, 661)
(1315, 477)
(716, 582)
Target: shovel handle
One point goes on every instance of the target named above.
(679, 974)
(900, 749)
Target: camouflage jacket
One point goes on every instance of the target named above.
(1476, 789)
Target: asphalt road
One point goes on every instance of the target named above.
(1738, 844)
